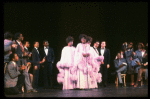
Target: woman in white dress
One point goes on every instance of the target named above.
(66, 64)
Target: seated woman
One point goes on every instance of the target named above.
(143, 69)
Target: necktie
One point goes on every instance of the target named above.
(21, 47)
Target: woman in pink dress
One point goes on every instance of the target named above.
(66, 64)
(84, 61)
(95, 62)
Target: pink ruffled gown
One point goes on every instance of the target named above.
(96, 77)
(65, 66)
(85, 67)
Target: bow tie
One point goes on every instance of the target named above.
(102, 48)
(45, 48)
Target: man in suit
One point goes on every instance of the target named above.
(20, 52)
(36, 64)
(48, 53)
(121, 66)
(96, 45)
(13, 79)
(26, 51)
(106, 62)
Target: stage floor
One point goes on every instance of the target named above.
(110, 91)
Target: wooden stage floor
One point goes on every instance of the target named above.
(110, 91)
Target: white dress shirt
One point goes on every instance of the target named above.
(143, 53)
(25, 47)
(102, 51)
(46, 50)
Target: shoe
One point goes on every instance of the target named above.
(20, 92)
(138, 85)
(113, 73)
(121, 85)
(32, 90)
(28, 91)
(132, 84)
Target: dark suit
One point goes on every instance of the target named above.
(106, 61)
(23, 61)
(27, 58)
(48, 66)
(35, 60)
(19, 53)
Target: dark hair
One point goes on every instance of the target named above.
(34, 42)
(69, 39)
(7, 35)
(11, 56)
(130, 43)
(45, 41)
(140, 43)
(25, 42)
(90, 39)
(96, 41)
(82, 35)
(103, 41)
(17, 35)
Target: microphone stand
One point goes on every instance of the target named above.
(87, 68)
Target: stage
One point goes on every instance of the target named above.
(110, 91)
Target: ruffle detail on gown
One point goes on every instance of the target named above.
(62, 65)
(99, 77)
(73, 77)
(98, 59)
(60, 77)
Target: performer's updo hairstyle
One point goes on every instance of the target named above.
(82, 35)
(89, 39)
(69, 39)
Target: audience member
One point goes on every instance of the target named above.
(138, 54)
(143, 69)
(124, 46)
(129, 58)
(121, 66)
(13, 79)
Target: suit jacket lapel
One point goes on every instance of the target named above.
(37, 52)
(95, 50)
(44, 52)
(99, 51)
(104, 51)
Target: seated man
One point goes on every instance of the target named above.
(143, 69)
(13, 79)
(121, 66)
